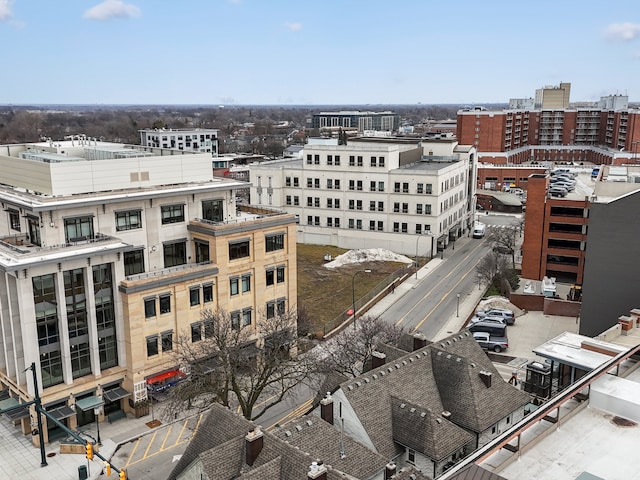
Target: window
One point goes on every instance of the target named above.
(373, 161)
(309, 159)
(280, 306)
(165, 303)
(296, 200)
(167, 341)
(405, 208)
(202, 251)
(336, 184)
(372, 206)
(309, 201)
(316, 202)
(207, 293)
(336, 160)
(246, 317)
(274, 242)
(372, 186)
(352, 160)
(336, 203)
(396, 227)
(309, 182)
(280, 274)
(234, 286)
(359, 185)
(34, 230)
(396, 187)
(336, 222)
(427, 189)
(287, 181)
(196, 332)
(418, 228)
(380, 226)
(133, 262)
(78, 229)
(129, 220)
(270, 277)
(175, 254)
(352, 204)
(172, 214)
(359, 160)
(381, 186)
(316, 221)
(329, 183)
(381, 161)
(246, 283)
(296, 182)
(329, 159)
(235, 320)
(316, 182)
(352, 223)
(427, 209)
(404, 228)
(411, 455)
(149, 307)
(271, 309)
(352, 185)
(358, 224)
(396, 207)
(316, 159)
(152, 346)
(420, 188)
(309, 220)
(419, 209)
(329, 202)
(372, 225)
(238, 249)
(14, 220)
(405, 188)
(358, 204)
(329, 221)
(194, 296)
(213, 210)
(381, 206)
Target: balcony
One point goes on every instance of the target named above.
(249, 219)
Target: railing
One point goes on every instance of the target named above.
(164, 271)
(21, 243)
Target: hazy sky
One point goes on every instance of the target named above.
(315, 52)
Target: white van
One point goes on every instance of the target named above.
(478, 230)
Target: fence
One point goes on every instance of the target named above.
(345, 317)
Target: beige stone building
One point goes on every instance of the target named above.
(108, 252)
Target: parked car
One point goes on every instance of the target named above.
(490, 342)
(475, 319)
(558, 191)
(563, 178)
(494, 328)
(517, 191)
(569, 186)
(503, 313)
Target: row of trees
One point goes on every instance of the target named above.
(229, 368)
(497, 269)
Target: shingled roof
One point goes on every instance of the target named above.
(426, 431)
(459, 366)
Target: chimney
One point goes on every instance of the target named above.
(485, 377)
(326, 409)
(253, 445)
(419, 341)
(317, 472)
(389, 470)
(377, 359)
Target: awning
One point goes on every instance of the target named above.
(89, 403)
(61, 413)
(115, 394)
(18, 413)
(160, 377)
(8, 403)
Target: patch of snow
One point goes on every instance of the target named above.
(497, 301)
(367, 255)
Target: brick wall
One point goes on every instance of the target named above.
(531, 303)
(565, 308)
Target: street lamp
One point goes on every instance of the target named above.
(353, 294)
(458, 305)
(96, 411)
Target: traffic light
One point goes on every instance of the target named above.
(123, 475)
(107, 468)
(89, 448)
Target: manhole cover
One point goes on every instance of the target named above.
(623, 422)
(51, 454)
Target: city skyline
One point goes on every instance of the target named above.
(246, 52)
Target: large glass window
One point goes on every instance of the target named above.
(34, 231)
(133, 262)
(149, 307)
(175, 254)
(80, 360)
(78, 228)
(44, 299)
(238, 249)
(172, 213)
(213, 210)
(14, 220)
(51, 368)
(105, 315)
(129, 220)
(274, 242)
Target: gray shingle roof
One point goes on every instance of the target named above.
(475, 472)
(426, 431)
(323, 441)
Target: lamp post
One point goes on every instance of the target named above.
(458, 305)
(353, 294)
(96, 411)
(479, 278)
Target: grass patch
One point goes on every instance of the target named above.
(326, 293)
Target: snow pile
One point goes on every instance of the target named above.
(367, 255)
(497, 301)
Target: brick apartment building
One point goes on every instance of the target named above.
(555, 234)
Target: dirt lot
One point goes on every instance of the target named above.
(326, 293)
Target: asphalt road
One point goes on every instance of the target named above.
(434, 299)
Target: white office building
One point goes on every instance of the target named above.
(374, 193)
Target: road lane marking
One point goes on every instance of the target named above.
(181, 432)
(433, 287)
(166, 436)
(153, 437)
(133, 451)
(419, 324)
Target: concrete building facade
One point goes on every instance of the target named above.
(203, 140)
(108, 253)
(361, 121)
(374, 193)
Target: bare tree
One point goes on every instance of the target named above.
(348, 352)
(494, 269)
(227, 365)
(504, 240)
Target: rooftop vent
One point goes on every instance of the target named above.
(485, 377)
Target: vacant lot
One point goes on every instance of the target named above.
(326, 293)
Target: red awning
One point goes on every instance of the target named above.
(165, 375)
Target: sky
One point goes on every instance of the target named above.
(310, 52)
